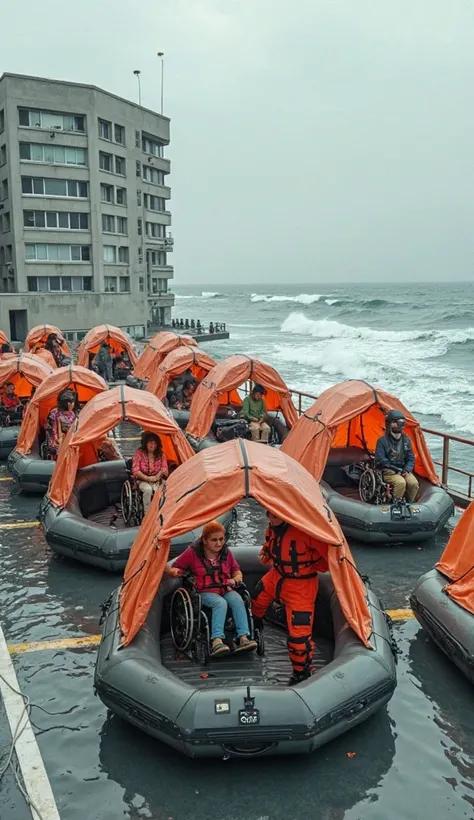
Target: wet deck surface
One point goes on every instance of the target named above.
(413, 760)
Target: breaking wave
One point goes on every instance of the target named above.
(302, 298)
(205, 294)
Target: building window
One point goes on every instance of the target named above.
(141, 284)
(45, 284)
(106, 193)
(154, 285)
(120, 166)
(138, 166)
(121, 224)
(8, 253)
(121, 196)
(4, 189)
(2, 123)
(139, 198)
(137, 134)
(123, 255)
(56, 220)
(119, 134)
(6, 226)
(105, 130)
(31, 118)
(57, 253)
(124, 284)
(153, 176)
(139, 227)
(37, 186)
(155, 231)
(150, 146)
(52, 154)
(140, 255)
(154, 203)
(157, 259)
(108, 223)
(3, 154)
(110, 284)
(106, 162)
(109, 253)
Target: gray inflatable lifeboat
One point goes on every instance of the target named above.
(203, 711)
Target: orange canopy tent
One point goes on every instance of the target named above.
(25, 371)
(457, 562)
(157, 348)
(3, 338)
(118, 340)
(213, 482)
(38, 335)
(219, 387)
(85, 382)
(351, 413)
(175, 363)
(103, 412)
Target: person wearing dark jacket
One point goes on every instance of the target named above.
(394, 456)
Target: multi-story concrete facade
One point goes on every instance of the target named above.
(84, 209)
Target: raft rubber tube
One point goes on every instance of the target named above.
(210, 440)
(199, 715)
(382, 523)
(449, 625)
(8, 437)
(31, 472)
(105, 543)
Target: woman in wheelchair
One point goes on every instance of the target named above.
(149, 466)
(11, 406)
(214, 568)
(59, 421)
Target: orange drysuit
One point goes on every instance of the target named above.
(293, 581)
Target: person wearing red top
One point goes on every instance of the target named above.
(214, 568)
(296, 560)
(10, 399)
(149, 466)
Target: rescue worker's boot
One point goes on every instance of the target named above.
(298, 677)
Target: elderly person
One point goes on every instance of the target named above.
(254, 411)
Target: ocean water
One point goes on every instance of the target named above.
(417, 341)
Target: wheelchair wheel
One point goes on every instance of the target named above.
(126, 501)
(367, 486)
(182, 619)
(260, 643)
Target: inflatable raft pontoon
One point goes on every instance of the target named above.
(90, 528)
(203, 711)
(393, 523)
(8, 438)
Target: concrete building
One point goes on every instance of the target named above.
(84, 209)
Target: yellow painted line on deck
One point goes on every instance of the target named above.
(18, 525)
(6, 478)
(94, 640)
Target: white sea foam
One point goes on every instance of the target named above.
(332, 301)
(302, 298)
(205, 294)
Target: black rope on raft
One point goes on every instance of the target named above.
(139, 569)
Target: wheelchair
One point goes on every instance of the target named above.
(10, 418)
(191, 622)
(372, 488)
(131, 499)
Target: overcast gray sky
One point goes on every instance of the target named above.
(312, 141)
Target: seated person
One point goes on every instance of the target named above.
(394, 456)
(104, 362)
(10, 403)
(254, 411)
(120, 367)
(54, 348)
(108, 450)
(214, 568)
(183, 397)
(150, 466)
(60, 420)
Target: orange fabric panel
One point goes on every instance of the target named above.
(116, 338)
(3, 339)
(157, 348)
(25, 371)
(38, 335)
(211, 484)
(352, 413)
(84, 381)
(47, 357)
(457, 561)
(175, 363)
(100, 416)
(227, 376)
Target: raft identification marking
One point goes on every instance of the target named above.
(37, 786)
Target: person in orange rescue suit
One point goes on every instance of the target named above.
(296, 560)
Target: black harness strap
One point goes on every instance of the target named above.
(246, 467)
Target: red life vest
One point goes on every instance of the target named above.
(214, 576)
(294, 554)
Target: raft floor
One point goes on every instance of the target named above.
(272, 668)
(105, 517)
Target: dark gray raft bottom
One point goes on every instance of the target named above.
(273, 667)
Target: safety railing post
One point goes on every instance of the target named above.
(445, 466)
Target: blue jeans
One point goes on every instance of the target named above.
(218, 605)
